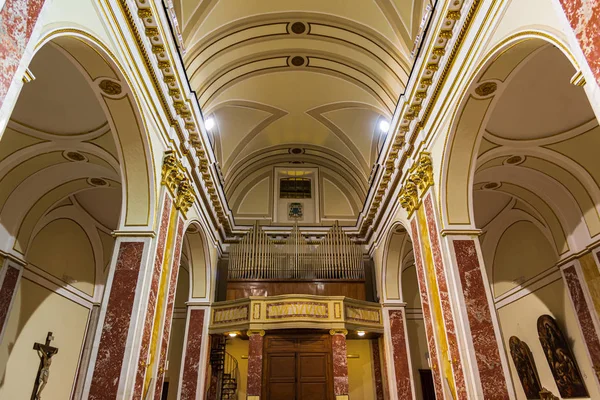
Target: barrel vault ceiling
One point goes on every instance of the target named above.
(316, 76)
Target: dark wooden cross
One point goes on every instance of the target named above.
(45, 352)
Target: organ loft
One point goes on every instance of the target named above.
(299, 200)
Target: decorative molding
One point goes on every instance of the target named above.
(420, 178)
(177, 183)
(343, 332)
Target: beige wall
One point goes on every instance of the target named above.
(520, 318)
(35, 312)
(360, 370)
(174, 356)
(237, 348)
(415, 329)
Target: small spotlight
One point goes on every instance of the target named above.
(232, 334)
(209, 123)
(361, 333)
(384, 126)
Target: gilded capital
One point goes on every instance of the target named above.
(419, 179)
(253, 332)
(172, 172)
(333, 332)
(185, 197)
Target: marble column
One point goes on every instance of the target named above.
(17, 20)
(584, 18)
(118, 319)
(192, 360)
(427, 316)
(481, 330)
(153, 294)
(583, 310)
(168, 317)
(340, 364)
(10, 275)
(378, 369)
(255, 364)
(401, 364)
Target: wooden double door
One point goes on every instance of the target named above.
(298, 367)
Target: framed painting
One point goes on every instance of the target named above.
(525, 366)
(560, 359)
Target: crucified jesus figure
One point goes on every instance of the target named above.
(45, 352)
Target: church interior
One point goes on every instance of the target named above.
(315, 200)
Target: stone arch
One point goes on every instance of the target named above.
(121, 105)
(196, 254)
(464, 138)
(397, 253)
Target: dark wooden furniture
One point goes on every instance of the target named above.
(298, 367)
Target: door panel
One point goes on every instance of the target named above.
(298, 367)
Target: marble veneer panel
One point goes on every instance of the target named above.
(584, 17)
(255, 365)
(193, 349)
(152, 297)
(583, 315)
(400, 355)
(437, 381)
(434, 238)
(17, 19)
(169, 313)
(377, 369)
(340, 365)
(485, 344)
(7, 292)
(113, 339)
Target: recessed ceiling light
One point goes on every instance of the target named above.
(209, 123)
(384, 126)
(361, 333)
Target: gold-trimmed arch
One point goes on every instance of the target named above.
(463, 141)
(197, 253)
(128, 124)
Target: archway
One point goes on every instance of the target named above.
(519, 167)
(73, 161)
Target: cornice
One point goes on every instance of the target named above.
(446, 36)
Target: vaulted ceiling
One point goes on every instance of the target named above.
(317, 76)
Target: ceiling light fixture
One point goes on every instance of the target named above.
(384, 126)
(209, 123)
(232, 334)
(361, 333)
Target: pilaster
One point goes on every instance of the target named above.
(460, 319)
(401, 374)
(10, 275)
(339, 352)
(192, 369)
(255, 364)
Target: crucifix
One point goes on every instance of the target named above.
(45, 352)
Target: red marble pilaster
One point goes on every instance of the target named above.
(152, 297)
(584, 18)
(457, 368)
(9, 279)
(483, 335)
(377, 373)
(340, 364)
(255, 364)
(400, 355)
(584, 316)
(111, 350)
(437, 381)
(169, 313)
(17, 19)
(192, 352)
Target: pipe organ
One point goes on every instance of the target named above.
(257, 257)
